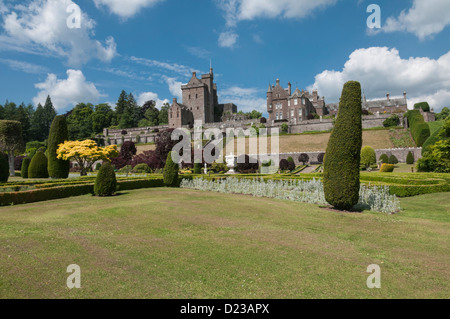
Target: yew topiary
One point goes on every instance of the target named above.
(57, 168)
(342, 163)
(410, 158)
(105, 183)
(25, 165)
(170, 174)
(38, 166)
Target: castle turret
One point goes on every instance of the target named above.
(269, 99)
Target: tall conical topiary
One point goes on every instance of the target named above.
(105, 183)
(170, 172)
(341, 165)
(38, 166)
(57, 168)
(25, 165)
(4, 168)
(410, 158)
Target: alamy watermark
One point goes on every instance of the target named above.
(234, 144)
(74, 279)
(74, 19)
(374, 20)
(374, 280)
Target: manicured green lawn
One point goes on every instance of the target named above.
(178, 243)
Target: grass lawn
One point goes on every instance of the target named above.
(178, 243)
(378, 139)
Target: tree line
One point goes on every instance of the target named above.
(85, 120)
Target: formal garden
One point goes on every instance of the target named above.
(143, 226)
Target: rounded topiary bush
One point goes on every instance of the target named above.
(38, 166)
(410, 158)
(105, 183)
(57, 168)
(142, 168)
(4, 168)
(387, 168)
(368, 156)
(25, 165)
(342, 163)
(303, 158)
(291, 165)
(320, 157)
(284, 164)
(170, 174)
(384, 158)
(393, 159)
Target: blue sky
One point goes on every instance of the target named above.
(150, 47)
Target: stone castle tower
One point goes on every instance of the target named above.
(199, 102)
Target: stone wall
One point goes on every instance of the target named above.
(400, 153)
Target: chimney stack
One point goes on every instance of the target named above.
(387, 95)
(404, 95)
(174, 100)
(194, 74)
(289, 88)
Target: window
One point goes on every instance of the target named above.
(295, 101)
(289, 102)
(292, 112)
(196, 96)
(303, 101)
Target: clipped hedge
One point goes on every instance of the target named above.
(414, 190)
(431, 140)
(420, 130)
(50, 193)
(387, 168)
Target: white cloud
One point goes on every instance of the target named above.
(24, 66)
(3, 8)
(246, 99)
(425, 18)
(227, 39)
(68, 92)
(150, 96)
(199, 52)
(173, 67)
(174, 87)
(128, 8)
(41, 27)
(238, 10)
(381, 70)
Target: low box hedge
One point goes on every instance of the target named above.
(50, 192)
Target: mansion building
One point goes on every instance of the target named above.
(293, 107)
(200, 103)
